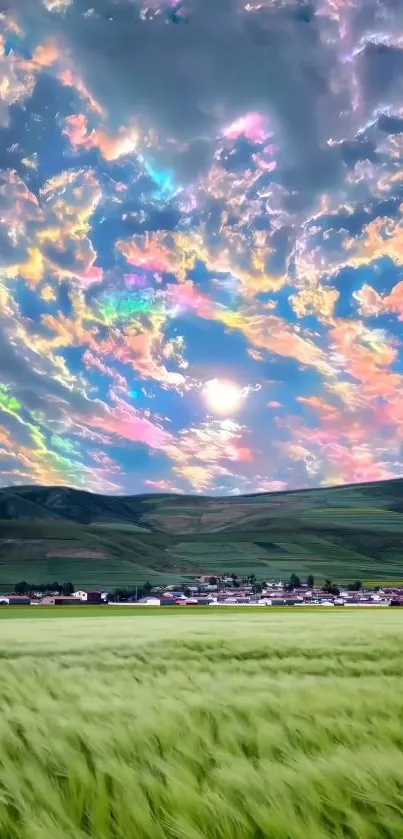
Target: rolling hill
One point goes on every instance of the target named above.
(57, 533)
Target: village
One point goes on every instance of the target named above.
(212, 591)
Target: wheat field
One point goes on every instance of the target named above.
(214, 726)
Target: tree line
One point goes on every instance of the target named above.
(137, 592)
(45, 588)
(328, 587)
(294, 582)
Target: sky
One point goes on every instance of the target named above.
(201, 244)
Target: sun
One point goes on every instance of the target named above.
(222, 397)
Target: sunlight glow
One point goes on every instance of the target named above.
(222, 397)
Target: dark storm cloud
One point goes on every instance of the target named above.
(319, 170)
(239, 157)
(390, 125)
(187, 162)
(189, 79)
(382, 72)
(358, 150)
(376, 15)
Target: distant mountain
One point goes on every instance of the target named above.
(348, 532)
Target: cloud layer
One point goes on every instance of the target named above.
(196, 191)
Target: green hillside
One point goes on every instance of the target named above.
(57, 533)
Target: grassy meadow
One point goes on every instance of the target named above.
(57, 533)
(228, 725)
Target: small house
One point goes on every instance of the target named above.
(94, 597)
(148, 601)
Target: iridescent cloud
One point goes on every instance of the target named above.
(196, 194)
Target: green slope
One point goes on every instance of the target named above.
(59, 533)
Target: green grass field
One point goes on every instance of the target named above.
(84, 611)
(218, 725)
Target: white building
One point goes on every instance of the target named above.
(148, 601)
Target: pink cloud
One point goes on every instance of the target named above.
(111, 148)
(153, 256)
(187, 296)
(253, 126)
(124, 421)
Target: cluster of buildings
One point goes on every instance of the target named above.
(222, 592)
(272, 594)
(37, 599)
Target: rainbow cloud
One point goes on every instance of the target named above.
(205, 193)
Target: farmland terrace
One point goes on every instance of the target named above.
(344, 533)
